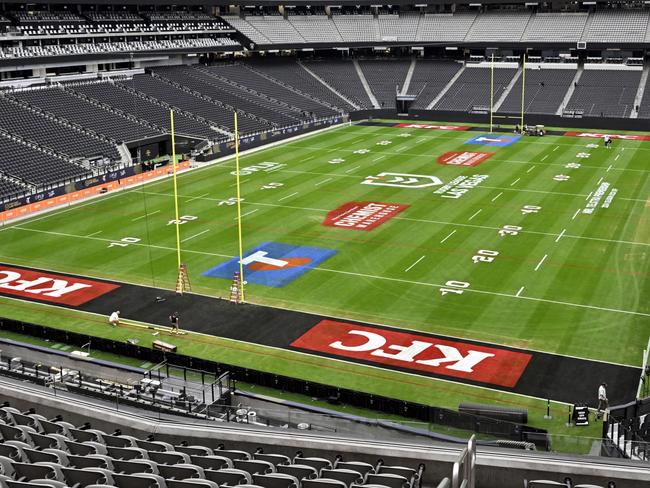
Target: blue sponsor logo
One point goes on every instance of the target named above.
(493, 140)
(273, 263)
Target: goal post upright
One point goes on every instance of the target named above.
(491, 92)
(523, 91)
(239, 226)
(178, 222)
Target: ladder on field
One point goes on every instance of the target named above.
(183, 281)
(235, 288)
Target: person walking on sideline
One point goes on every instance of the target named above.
(603, 403)
(173, 319)
(114, 318)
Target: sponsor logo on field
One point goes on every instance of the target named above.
(493, 140)
(273, 263)
(460, 185)
(418, 352)
(362, 215)
(596, 135)
(402, 180)
(431, 126)
(50, 287)
(463, 158)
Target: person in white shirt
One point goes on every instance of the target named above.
(603, 403)
(114, 318)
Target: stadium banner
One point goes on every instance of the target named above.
(362, 215)
(416, 352)
(463, 158)
(50, 287)
(105, 178)
(34, 198)
(96, 186)
(431, 126)
(601, 135)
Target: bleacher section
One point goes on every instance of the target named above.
(617, 26)
(384, 78)
(472, 89)
(545, 90)
(605, 93)
(445, 27)
(343, 77)
(551, 26)
(429, 78)
(499, 26)
(315, 28)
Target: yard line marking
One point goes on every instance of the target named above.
(248, 213)
(145, 215)
(451, 234)
(540, 263)
(617, 156)
(324, 181)
(545, 157)
(409, 268)
(195, 235)
(497, 197)
(94, 233)
(575, 214)
(272, 170)
(530, 169)
(560, 236)
(475, 214)
(589, 196)
(352, 169)
(556, 148)
(241, 182)
(600, 181)
(421, 139)
(308, 159)
(609, 168)
(380, 157)
(288, 196)
(515, 182)
(196, 198)
(520, 290)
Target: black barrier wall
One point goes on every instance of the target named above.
(416, 411)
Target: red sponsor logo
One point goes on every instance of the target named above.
(432, 126)
(596, 135)
(463, 158)
(48, 287)
(362, 215)
(418, 352)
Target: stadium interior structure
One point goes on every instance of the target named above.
(85, 94)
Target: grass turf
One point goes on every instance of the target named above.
(588, 290)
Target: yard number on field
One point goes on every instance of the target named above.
(125, 241)
(530, 209)
(484, 256)
(229, 201)
(182, 220)
(457, 287)
(271, 186)
(509, 230)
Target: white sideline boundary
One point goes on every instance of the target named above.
(193, 167)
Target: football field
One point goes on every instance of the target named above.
(536, 243)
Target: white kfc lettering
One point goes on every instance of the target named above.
(406, 353)
(375, 341)
(461, 363)
(56, 289)
(9, 276)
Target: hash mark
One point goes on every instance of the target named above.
(352, 169)
(497, 196)
(324, 181)
(575, 214)
(475, 214)
(288, 196)
(530, 169)
(545, 157)
(515, 182)
(560, 236)
(451, 234)
(540, 263)
(520, 290)
(407, 269)
(248, 213)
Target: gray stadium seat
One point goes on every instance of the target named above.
(211, 462)
(276, 480)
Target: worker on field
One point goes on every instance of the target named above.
(603, 403)
(608, 142)
(173, 319)
(114, 318)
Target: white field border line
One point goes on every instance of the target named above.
(475, 214)
(322, 182)
(530, 169)
(450, 234)
(541, 262)
(560, 236)
(410, 267)
(497, 197)
(248, 213)
(519, 292)
(343, 317)
(575, 214)
(195, 235)
(352, 169)
(440, 222)
(197, 198)
(288, 196)
(144, 216)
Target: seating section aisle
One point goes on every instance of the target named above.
(385, 78)
(605, 93)
(429, 78)
(472, 89)
(545, 91)
(341, 75)
(37, 451)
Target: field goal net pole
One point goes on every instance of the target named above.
(182, 280)
(239, 226)
(491, 92)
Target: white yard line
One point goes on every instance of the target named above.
(195, 235)
(352, 169)
(450, 234)
(197, 198)
(145, 215)
(94, 233)
(409, 268)
(575, 214)
(515, 182)
(589, 196)
(541, 262)
(530, 169)
(609, 168)
(248, 213)
(380, 157)
(497, 197)
(600, 181)
(544, 158)
(617, 156)
(519, 292)
(288, 196)
(475, 214)
(560, 236)
(324, 181)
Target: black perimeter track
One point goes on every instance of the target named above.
(547, 376)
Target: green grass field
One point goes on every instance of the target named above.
(564, 281)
